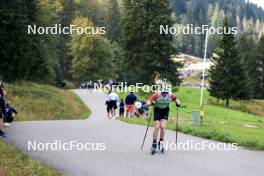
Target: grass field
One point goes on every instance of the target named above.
(43, 102)
(196, 78)
(15, 163)
(238, 123)
(37, 102)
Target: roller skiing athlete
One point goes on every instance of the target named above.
(160, 101)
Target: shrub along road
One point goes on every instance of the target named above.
(123, 155)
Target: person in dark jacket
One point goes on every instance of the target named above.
(2, 109)
(108, 108)
(121, 108)
(130, 101)
(10, 113)
(2, 98)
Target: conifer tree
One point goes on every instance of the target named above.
(258, 71)
(147, 53)
(227, 76)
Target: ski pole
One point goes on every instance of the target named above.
(177, 121)
(141, 116)
(146, 131)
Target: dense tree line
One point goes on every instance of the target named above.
(50, 58)
(248, 17)
(20, 53)
(53, 58)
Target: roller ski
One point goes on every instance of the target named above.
(154, 149)
(161, 148)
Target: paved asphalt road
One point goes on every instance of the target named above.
(123, 156)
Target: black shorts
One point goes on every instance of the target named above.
(108, 108)
(112, 104)
(160, 114)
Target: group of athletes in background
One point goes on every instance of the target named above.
(7, 112)
(132, 107)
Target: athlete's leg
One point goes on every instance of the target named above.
(163, 124)
(127, 112)
(156, 131)
(108, 112)
(1, 123)
(122, 112)
(131, 110)
(112, 112)
(2, 126)
(114, 107)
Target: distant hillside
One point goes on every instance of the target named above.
(248, 17)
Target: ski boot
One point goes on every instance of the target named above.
(161, 148)
(153, 149)
(2, 134)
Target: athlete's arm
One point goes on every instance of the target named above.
(175, 99)
(14, 110)
(152, 99)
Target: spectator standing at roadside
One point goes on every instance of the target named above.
(2, 108)
(130, 101)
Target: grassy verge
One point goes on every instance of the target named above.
(43, 102)
(220, 123)
(37, 102)
(15, 163)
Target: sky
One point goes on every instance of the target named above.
(258, 2)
